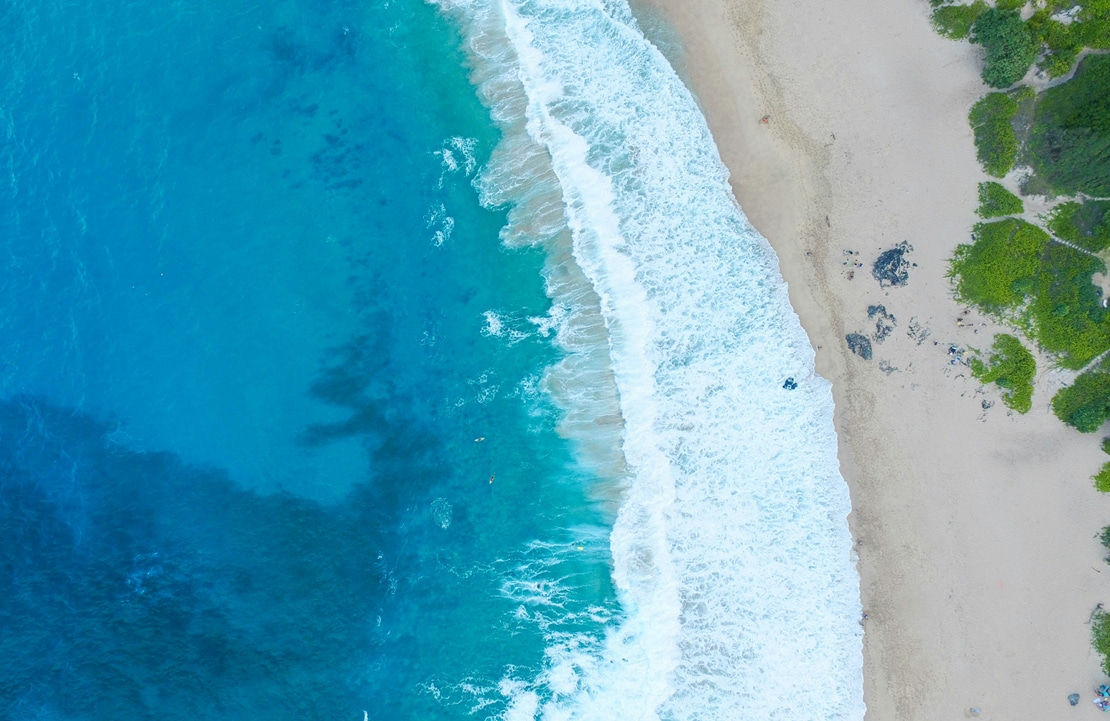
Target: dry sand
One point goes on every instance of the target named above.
(976, 527)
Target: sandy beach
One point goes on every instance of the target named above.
(976, 528)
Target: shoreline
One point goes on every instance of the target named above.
(975, 527)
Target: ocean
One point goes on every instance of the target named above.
(390, 359)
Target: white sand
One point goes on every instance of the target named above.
(978, 556)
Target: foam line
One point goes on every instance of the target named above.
(731, 552)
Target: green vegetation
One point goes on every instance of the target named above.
(1059, 62)
(1062, 42)
(1069, 143)
(1102, 478)
(955, 21)
(1085, 224)
(1106, 446)
(995, 201)
(1011, 47)
(1093, 28)
(995, 139)
(1085, 405)
(1014, 271)
(1067, 313)
(1100, 637)
(998, 271)
(1011, 367)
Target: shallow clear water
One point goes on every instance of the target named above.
(245, 359)
(400, 359)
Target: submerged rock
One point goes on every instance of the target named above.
(859, 344)
(891, 268)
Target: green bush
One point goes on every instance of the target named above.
(1094, 33)
(1085, 404)
(1093, 28)
(1085, 224)
(1069, 143)
(1011, 47)
(1067, 313)
(995, 201)
(1102, 478)
(1012, 368)
(995, 141)
(955, 21)
(1100, 637)
(1106, 445)
(1058, 63)
(998, 271)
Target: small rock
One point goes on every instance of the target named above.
(1073, 699)
(859, 344)
(790, 384)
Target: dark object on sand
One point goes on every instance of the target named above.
(884, 326)
(790, 384)
(859, 344)
(891, 268)
(1073, 699)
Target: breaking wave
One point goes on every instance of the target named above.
(730, 547)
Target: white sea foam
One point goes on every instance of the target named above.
(455, 149)
(443, 224)
(731, 552)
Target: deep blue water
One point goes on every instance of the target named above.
(241, 380)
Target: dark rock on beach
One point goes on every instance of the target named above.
(891, 268)
(884, 325)
(859, 344)
(790, 384)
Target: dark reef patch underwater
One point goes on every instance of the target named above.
(244, 356)
(133, 585)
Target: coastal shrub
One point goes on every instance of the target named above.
(995, 142)
(1102, 478)
(1094, 33)
(1067, 313)
(999, 269)
(1093, 28)
(1022, 93)
(1106, 445)
(1085, 404)
(955, 21)
(1011, 47)
(995, 201)
(1057, 63)
(1100, 637)
(1069, 142)
(1011, 367)
(1085, 224)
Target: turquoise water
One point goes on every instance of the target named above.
(245, 290)
(397, 360)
